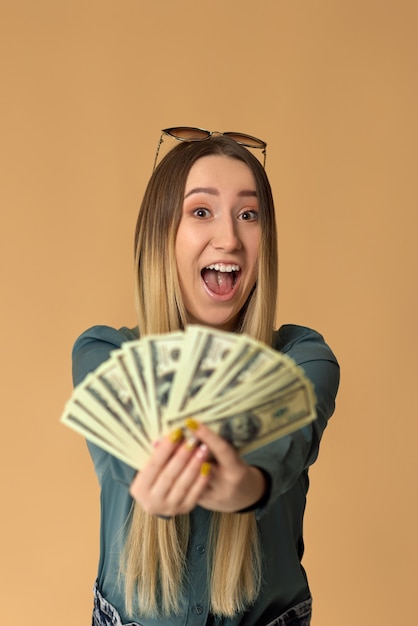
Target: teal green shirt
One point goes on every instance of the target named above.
(279, 520)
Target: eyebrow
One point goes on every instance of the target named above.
(214, 192)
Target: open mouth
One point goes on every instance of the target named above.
(221, 278)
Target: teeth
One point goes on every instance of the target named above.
(220, 267)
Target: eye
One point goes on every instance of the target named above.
(201, 212)
(249, 215)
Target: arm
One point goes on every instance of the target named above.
(92, 348)
(175, 485)
(178, 477)
(286, 459)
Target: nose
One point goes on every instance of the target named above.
(226, 235)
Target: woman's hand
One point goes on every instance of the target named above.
(181, 474)
(174, 478)
(233, 484)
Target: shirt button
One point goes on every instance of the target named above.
(199, 609)
(201, 549)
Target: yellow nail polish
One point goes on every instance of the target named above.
(176, 435)
(205, 469)
(191, 423)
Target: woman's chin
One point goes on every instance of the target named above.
(214, 319)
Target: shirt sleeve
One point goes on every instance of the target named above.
(287, 458)
(283, 460)
(91, 349)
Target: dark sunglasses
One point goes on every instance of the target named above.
(189, 133)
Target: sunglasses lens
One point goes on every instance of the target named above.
(246, 140)
(191, 133)
(186, 133)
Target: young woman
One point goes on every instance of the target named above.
(202, 536)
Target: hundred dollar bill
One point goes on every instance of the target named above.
(279, 379)
(131, 358)
(255, 369)
(204, 353)
(115, 378)
(268, 392)
(91, 396)
(162, 357)
(252, 360)
(252, 429)
(250, 370)
(255, 364)
(227, 380)
(84, 422)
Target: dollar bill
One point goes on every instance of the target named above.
(253, 370)
(280, 379)
(131, 358)
(91, 395)
(250, 371)
(81, 420)
(203, 354)
(252, 429)
(117, 384)
(249, 362)
(105, 393)
(162, 357)
(245, 391)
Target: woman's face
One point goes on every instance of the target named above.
(217, 241)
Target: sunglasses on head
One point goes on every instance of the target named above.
(189, 133)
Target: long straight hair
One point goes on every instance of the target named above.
(153, 562)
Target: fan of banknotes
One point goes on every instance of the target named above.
(243, 390)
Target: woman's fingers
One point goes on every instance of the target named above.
(220, 449)
(174, 477)
(190, 484)
(163, 451)
(234, 484)
(204, 469)
(179, 472)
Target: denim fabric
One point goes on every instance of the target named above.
(299, 615)
(104, 614)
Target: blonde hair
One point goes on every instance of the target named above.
(154, 556)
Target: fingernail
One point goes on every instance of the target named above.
(191, 423)
(156, 443)
(205, 469)
(176, 435)
(202, 451)
(191, 442)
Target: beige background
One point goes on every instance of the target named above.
(86, 86)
